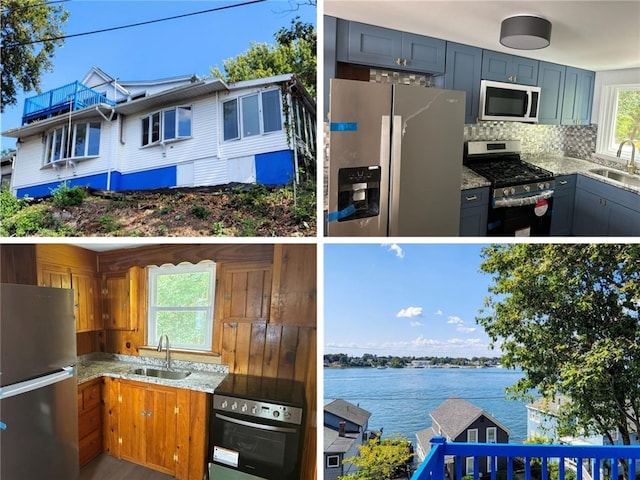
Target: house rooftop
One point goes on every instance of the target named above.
(348, 411)
(455, 415)
(334, 443)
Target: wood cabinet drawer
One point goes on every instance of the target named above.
(90, 446)
(90, 397)
(89, 421)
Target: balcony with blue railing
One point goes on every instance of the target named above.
(72, 97)
(448, 461)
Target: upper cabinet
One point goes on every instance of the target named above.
(464, 66)
(120, 299)
(364, 44)
(551, 80)
(501, 67)
(578, 97)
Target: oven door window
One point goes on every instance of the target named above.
(502, 102)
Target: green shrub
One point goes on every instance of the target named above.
(65, 196)
(28, 221)
(9, 205)
(199, 211)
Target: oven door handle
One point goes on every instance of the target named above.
(522, 201)
(256, 425)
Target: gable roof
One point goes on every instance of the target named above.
(455, 415)
(334, 443)
(348, 411)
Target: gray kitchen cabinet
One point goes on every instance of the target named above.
(502, 67)
(551, 80)
(371, 45)
(474, 205)
(563, 205)
(578, 97)
(602, 209)
(330, 27)
(463, 70)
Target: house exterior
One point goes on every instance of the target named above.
(345, 427)
(460, 421)
(6, 170)
(175, 132)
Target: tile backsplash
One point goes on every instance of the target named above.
(577, 141)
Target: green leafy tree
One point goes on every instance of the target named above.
(26, 52)
(294, 52)
(568, 315)
(628, 116)
(380, 459)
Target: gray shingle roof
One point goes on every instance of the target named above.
(455, 415)
(348, 411)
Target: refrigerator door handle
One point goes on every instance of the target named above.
(36, 383)
(394, 181)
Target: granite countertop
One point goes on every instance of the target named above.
(471, 179)
(204, 377)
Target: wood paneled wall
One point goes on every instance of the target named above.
(18, 264)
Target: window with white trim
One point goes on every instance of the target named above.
(252, 115)
(166, 125)
(81, 140)
(472, 435)
(468, 466)
(619, 119)
(333, 461)
(181, 301)
(492, 434)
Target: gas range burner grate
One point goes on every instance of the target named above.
(506, 172)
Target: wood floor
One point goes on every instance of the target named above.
(106, 467)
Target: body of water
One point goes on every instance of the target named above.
(400, 400)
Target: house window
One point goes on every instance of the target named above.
(619, 119)
(79, 140)
(492, 435)
(252, 115)
(169, 124)
(333, 461)
(181, 301)
(468, 466)
(472, 435)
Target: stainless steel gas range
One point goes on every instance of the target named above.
(521, 200)
(257, 427)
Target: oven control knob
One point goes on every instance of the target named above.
(527, 188)
(244, 408)
(276, 413)
(287, 415)
(224, 404)
(513, 191)
(254, 410)
(234, 406)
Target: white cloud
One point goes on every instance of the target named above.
(410, 312)
(455, 320)
(463, 329)
(394, 247)
(416, 324)
(438, 312)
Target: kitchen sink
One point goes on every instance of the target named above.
(618, 176)
(160, 373)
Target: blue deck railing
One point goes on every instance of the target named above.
(587, 462)
(74, 96)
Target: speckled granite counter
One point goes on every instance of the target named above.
(561, 165)
(471, 179)
(204, 377)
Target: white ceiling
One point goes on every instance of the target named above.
(104, 247)
(594, 35)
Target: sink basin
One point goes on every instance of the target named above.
(161, 373)
(621, 177)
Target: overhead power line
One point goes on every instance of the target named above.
(131, 25)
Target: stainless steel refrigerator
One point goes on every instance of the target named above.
(38, 386)
(395, 160)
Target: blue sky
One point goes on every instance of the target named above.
(167, 49)
(404, 299)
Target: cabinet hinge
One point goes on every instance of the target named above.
(119, 398)
(119, 440)
(175, 457)
(176, 410)
(105, 292)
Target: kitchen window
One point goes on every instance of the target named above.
(619, 119)
(252, 115)
(181, 301)
(166, 125)
(78, 141)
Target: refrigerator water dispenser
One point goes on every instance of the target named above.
(359, 192)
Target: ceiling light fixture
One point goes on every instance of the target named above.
(525, 32)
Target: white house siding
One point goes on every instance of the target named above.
(210, 171)
(32, 172)
(201, 145)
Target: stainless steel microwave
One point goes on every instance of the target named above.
(508, 102)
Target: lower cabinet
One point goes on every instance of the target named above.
(474, 204)
(563, 202)
(89, 420)
(602, 209)
(160, 427)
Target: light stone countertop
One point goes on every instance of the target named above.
(204, 377)
(471, 179)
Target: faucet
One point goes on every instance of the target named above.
(631, 165)
(166, 346)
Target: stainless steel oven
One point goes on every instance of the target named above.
(256, 429)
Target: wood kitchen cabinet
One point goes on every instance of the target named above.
(383, 47)
(502, 67)
(160, 427)
(120, 299)
(578, 96)
(89, 420)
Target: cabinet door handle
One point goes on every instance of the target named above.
(563, 182)
(471, 198)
